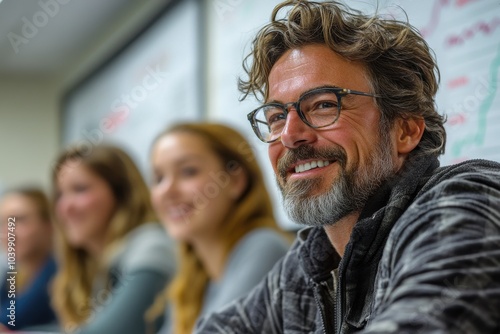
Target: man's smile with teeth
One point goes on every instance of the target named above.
(310, 165)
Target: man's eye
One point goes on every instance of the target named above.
(325, 105)
(275, 118)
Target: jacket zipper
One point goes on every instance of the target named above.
(339, 293)
(338, 310)
(317, 297)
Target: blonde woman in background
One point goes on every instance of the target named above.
(27, 240)
(114, 257)
(210, 195)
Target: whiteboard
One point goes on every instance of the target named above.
(465, 35)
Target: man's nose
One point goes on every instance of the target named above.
(296, 132)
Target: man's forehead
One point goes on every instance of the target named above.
(307, 58)
(311, 66)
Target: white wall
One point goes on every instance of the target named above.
(29, 130)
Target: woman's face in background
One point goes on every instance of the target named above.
(192, 192)
(85, 204)
(33, 234)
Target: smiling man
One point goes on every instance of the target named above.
(395, 243)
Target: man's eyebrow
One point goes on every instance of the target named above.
(304, 93)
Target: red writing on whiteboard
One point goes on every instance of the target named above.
(461, 3)
(457, 119)
(457, 82)
(119, 115)
(486, 28)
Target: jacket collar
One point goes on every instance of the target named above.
(316, 255)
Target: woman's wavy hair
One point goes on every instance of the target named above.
(400, 65)
(252, 210)
(72, 286)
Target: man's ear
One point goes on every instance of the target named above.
(409, 131)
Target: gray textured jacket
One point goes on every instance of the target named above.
(424, 257)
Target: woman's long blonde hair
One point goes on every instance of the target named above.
(252, 210)
(72, 288)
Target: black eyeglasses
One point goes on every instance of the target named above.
(317, 108)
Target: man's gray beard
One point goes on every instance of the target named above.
(347, 194)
